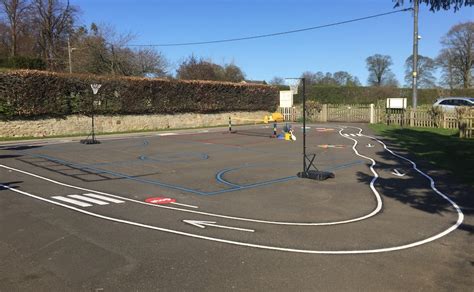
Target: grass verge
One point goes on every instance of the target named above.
(442, 148)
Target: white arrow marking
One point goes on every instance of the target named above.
(397, 173)
(203, 224)
(369, 145)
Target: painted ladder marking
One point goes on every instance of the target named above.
(87, 199)
(72, 201)
(108, 199)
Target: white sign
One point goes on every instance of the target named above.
(286, 98)
(95, 88)
(396, 103)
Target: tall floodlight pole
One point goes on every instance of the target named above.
(415, 51)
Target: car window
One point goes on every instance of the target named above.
(446, 102)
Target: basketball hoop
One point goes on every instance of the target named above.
(293, 84)
(95, 88)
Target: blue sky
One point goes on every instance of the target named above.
(331, 49)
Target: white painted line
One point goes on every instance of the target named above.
(203, 224)
(345, 135)
(104, 198)
(184, 205)
(168, 134)
(359, 135)
(374, 212)
(238, 243)
(87, 199)
(353, 135)
(72, 201)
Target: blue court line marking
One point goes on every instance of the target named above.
(154, 182)
(117, 174)
(234, 188)
(219, 175)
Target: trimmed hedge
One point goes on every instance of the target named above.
(366, 95)
(28, 94)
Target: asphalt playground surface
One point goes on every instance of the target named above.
(234, 215)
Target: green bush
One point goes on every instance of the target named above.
(36, 93)
(366, 95)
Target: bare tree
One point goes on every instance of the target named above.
(233, 73)
(379, 70)
(436, 5)
(4, 42)
(425, 74)
(457, 57)
(14, 11)
(450, 77)
(149, 62)
(201, 69)
(277, 81)
(196, 69)
(55, 19)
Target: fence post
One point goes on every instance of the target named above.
(412, 117)
(372, 114)
(324, 113)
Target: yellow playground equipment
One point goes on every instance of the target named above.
(274, 117)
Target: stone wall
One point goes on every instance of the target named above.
(80, 125)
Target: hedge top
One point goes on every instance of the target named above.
(104, 78)
(30, 93)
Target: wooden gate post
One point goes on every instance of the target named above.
(324, 113)
(372, 114)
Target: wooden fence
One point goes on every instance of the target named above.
(466, 128)
(421, 117)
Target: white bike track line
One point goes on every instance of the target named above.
(376, 210)
(266, 247)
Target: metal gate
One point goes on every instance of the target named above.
(348, 113)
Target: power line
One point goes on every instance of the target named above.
(271, 34)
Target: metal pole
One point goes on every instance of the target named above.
(93, 127)
(415, 52)
(69, 54)
(304, 127)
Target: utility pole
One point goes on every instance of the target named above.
(69, 54)
(415, 51)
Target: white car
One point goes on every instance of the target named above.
(450, 103)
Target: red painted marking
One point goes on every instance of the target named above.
(160, 200)
(324, 129)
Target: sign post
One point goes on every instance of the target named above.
(92, 140)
